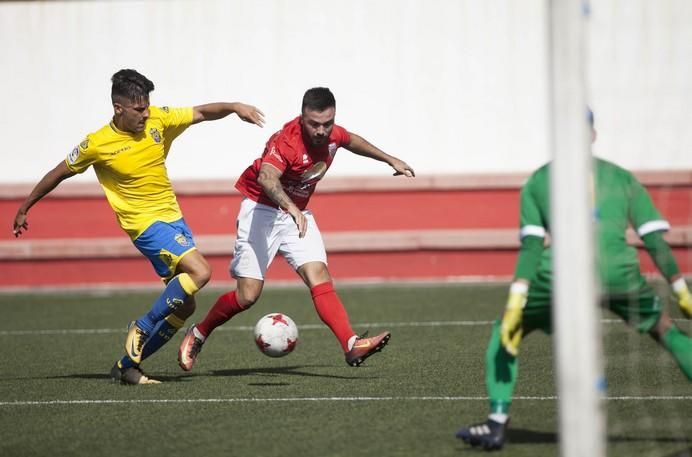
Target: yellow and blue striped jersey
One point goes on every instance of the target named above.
(132, 170)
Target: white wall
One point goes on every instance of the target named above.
(451, 86)
(640, 74)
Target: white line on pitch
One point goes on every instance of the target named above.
(246, 328)
(317, 399)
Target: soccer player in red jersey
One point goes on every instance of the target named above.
(274, 217)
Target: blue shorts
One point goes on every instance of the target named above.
(164, 244)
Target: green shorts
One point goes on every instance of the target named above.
(640, 307)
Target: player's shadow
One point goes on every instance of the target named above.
(78, 376)
(525, 436)
(296, 370)
(107, 377)
(643, 439)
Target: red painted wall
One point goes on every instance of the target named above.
(90, 217)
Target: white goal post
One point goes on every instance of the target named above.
(577, 336)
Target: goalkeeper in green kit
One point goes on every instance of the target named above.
(620, 201)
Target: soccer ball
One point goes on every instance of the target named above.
(276, 335)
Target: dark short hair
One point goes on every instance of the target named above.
(130, 85)
(318, 99)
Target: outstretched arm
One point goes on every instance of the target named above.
(269, 180)
(42, 188)
(214, 111)
(358, 145)
(532, 234)
(660, 252)
(511, 328)
(662, 255)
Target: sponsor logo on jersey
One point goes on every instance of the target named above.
(118, 151)
(155, 134)
(332, 149)
(298, 189)
(305, 158)
(165, 109)
(181, 240)
(73, 155)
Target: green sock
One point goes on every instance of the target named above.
(501, 370)
(680, 346)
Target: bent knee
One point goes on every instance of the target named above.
(204, 276)
(246, 300)
(248, 293)
(314, 273)
(201, 275)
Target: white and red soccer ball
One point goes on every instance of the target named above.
(276, 335)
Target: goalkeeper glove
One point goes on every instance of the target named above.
(684, 296)
(511, 328)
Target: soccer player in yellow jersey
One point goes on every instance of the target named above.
(128, 156)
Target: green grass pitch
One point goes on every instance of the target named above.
(56, 397)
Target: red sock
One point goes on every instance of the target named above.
(226, 307)
(332, 312)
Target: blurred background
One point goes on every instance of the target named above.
(457, 88)
(454, 86)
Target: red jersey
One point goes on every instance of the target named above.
(302, 164)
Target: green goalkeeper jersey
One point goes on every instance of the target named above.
(620, 201)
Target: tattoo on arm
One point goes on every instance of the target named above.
(272, 187)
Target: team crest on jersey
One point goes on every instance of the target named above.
(165, 109)
(181, 240)
(73, 155)
(155, 134)
(332, 149)
(84, 144)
